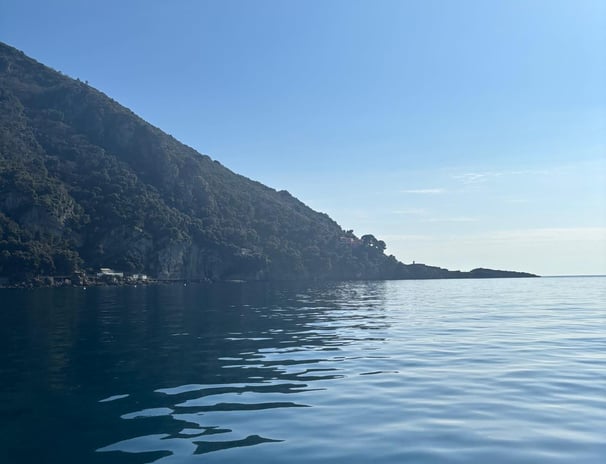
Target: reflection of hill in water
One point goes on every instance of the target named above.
(254, 352)
(382, 372)
(189, 370)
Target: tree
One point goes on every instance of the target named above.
(371, 241)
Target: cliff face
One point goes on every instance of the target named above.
(84, 182)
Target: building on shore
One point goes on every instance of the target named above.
(107, 272)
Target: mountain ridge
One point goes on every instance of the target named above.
(86, 183)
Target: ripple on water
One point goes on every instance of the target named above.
(424, 372)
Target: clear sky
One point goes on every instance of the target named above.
(464, 133)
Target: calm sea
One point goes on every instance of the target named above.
(458, 371)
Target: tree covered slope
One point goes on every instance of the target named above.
(86, 183)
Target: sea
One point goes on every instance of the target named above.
(434, 371)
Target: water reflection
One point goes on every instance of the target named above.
(428, 372)
(257, 361)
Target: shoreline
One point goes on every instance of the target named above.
(151, 282)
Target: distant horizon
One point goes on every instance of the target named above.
(463, 135)
(576, 275)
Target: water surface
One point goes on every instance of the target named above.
(460, 371)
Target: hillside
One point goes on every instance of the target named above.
(86, 183)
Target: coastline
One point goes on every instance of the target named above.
(68, 283)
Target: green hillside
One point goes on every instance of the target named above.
(86, 183)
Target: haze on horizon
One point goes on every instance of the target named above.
(464, 134)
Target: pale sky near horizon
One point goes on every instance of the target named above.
(465, 133)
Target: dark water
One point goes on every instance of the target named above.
(494, 371)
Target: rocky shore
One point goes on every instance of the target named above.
(82, 279)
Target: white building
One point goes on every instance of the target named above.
(106, 271)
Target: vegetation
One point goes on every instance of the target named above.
(85, 183)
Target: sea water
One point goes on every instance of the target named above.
(442, 371)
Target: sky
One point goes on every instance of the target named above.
(464, 134)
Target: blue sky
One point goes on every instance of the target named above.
(463, 133)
